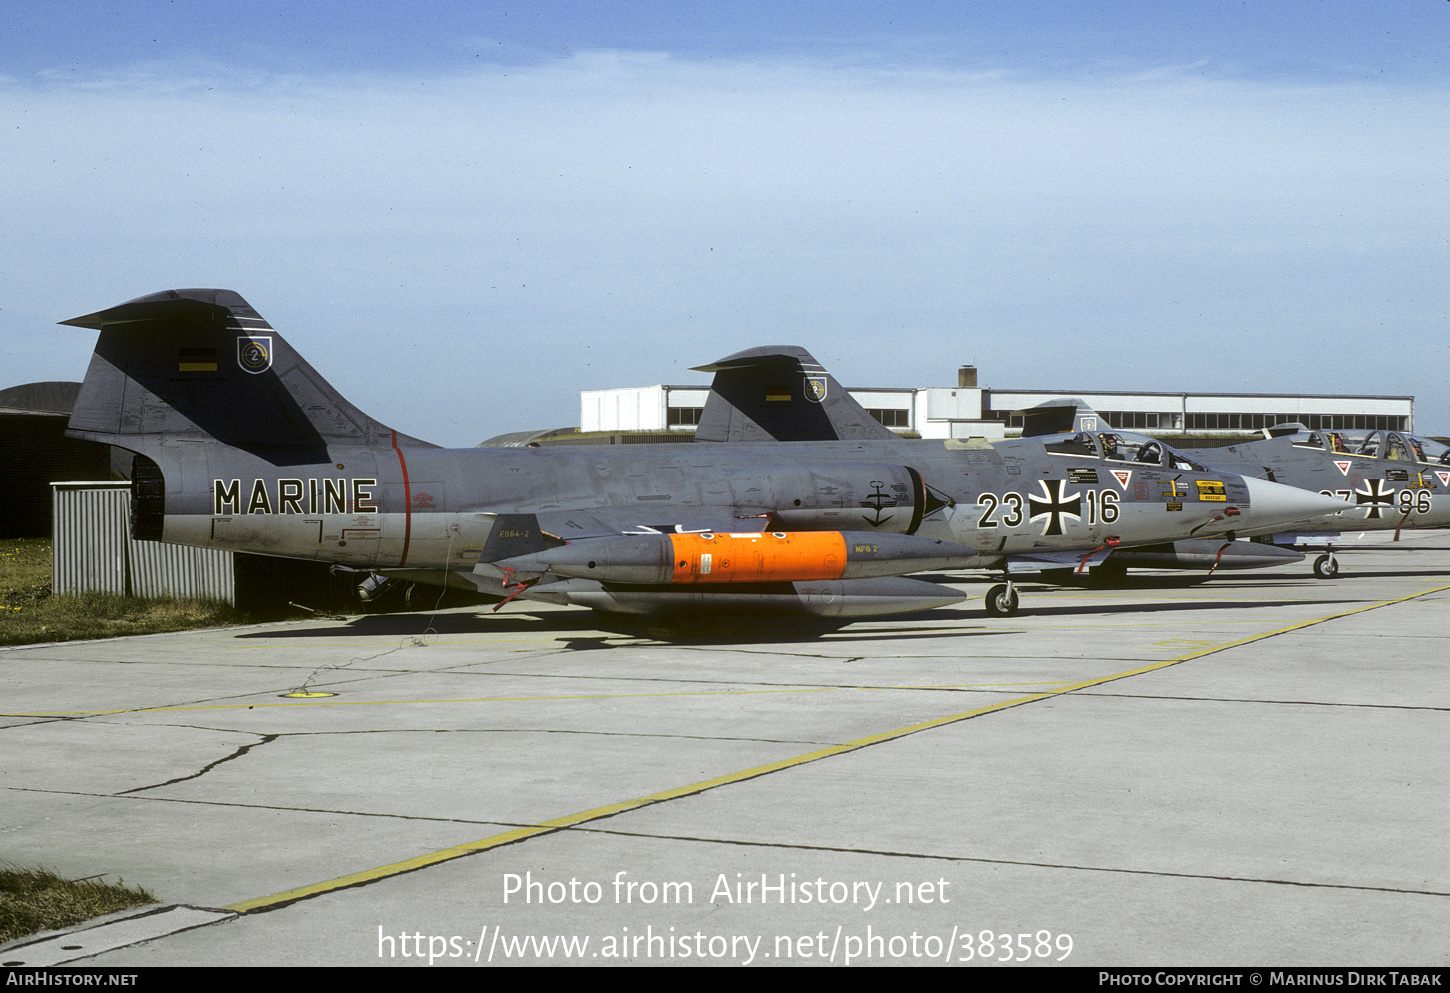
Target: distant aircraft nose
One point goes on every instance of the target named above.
(1275, 503)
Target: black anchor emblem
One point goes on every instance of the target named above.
(878, 501)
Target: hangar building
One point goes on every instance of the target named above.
(967, 411)
(34, 453)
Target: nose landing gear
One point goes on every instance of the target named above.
(1326, 566)
(1002, 599)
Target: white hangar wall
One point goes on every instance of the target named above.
(968, 412)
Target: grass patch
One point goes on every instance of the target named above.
(34, 900)
(30, 614)
(24, 562)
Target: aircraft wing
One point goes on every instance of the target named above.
(1047, 559)
(605, 522)
(1381, 540)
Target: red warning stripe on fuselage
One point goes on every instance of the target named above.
(407, 502)
(758, 558)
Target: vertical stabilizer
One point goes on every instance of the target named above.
(781, 393)
(200, 365)
(1065, 415)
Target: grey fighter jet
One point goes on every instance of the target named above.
(240, 444)
(1393, 481)
(745, 406)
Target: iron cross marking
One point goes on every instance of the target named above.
(1377, 496)
(1055, 506)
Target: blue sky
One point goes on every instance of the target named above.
(464, 214)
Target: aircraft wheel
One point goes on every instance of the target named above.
(1001, 601)
(1325, 567)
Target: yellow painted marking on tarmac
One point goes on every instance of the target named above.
(388, 703)
(968, 686)
(1178, 624)
(598, 813)
(515, 699)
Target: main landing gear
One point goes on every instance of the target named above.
(1002, 599)
(1326, 566)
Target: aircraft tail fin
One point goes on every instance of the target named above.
(1065, 415)
(201, 364)
(781, 393)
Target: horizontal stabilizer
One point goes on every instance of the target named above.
(173, 306)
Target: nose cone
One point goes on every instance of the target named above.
(1274, 504)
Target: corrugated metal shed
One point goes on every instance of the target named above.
(92, 550)
(160, 569)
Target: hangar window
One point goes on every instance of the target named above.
(1136, 420)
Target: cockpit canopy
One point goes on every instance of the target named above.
(1376, 445)
(1123, 446)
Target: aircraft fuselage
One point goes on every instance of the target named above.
(430, 508)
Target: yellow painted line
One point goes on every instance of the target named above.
(524, 699)
(598, 813)
(390, 703)
(963, 686)
(1135, 625)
